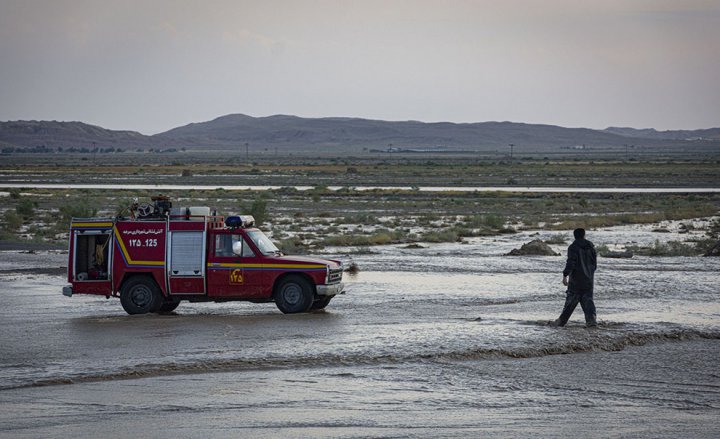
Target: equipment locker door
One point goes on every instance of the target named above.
(186, 258)
(90, 257)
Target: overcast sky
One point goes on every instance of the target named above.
(154, 65)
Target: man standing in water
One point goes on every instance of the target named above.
(578, 277)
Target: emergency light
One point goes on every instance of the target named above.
(243, 221)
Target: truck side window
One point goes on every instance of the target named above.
(247, 251)
(224, 246)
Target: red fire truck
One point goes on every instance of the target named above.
(161, 255)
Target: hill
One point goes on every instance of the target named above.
(280, 130)
(651, 133)
(70, 135)
(341, 136)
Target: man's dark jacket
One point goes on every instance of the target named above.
(580, 266)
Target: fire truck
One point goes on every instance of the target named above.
(160, 256)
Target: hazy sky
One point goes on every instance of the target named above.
(153, 65)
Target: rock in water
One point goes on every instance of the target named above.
(535, 247)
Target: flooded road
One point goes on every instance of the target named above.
(444, 341)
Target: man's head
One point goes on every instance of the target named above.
(579, 233)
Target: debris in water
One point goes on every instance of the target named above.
(535, 247)
(352, 268)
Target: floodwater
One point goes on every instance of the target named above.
(444, 341)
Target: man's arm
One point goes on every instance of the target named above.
(572, 260)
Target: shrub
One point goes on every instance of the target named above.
(440, 236)
(258, 209)
(77, 209)
(556, 239)
(365, 219)
(12, 221)
(381, 237)
(670, 248)
(491, 221)
(25, 208)
(292, 245)
(705, 245)
(601, 249)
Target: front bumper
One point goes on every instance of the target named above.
(330, 290)
(67, 291)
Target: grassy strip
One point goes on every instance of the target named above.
(363, 218)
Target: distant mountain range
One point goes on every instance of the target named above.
(291, 133)
(66, 135)
(650, 133)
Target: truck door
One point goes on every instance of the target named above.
(231, 273)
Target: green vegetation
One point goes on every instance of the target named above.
(82, 208)
(559, 239)
(385, 170)
(25, 208)
(12, 221)
(380, 237)
(258, 209)
(302, 220)
(292, 246)
(670, 248)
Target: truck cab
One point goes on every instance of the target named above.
(164, 256)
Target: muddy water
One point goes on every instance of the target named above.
(446, 341)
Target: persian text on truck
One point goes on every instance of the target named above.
(163, 255)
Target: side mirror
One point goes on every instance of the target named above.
(238, 248)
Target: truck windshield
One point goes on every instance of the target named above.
(262, 242)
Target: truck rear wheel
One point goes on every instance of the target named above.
(140, 295)
(294, 294)
(168, 306)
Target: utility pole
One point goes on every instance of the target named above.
(511, 150)
(247, 153)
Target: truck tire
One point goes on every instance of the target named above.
(321, 303)
(168, 306)
(140, 295)
(294, 294)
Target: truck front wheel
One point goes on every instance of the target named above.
(294, 294)
(321, 303)
(140, 295)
